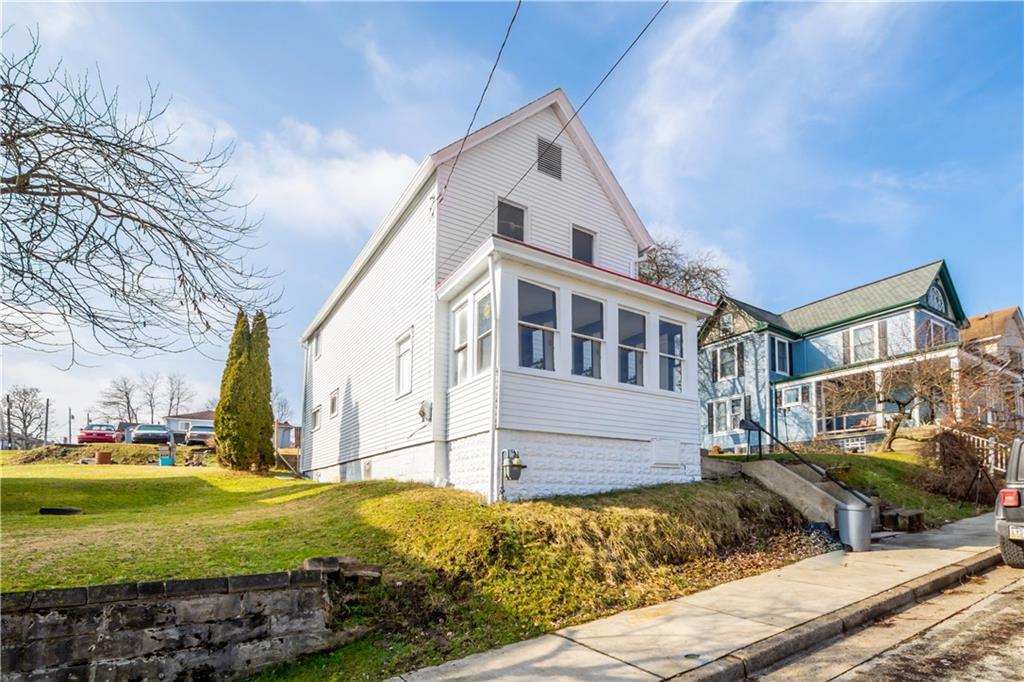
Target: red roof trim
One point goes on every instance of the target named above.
(593, 267)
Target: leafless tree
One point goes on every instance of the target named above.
(178, 393)
(28, 414)
(149, 392)
(110, 230)
(959, 393)
(118, 400)
(210, 404)
(282, 408)
(699, 275)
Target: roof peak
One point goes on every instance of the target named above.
(939, 262)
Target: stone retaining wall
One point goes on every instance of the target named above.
(207, 628)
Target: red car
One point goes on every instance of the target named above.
(97, 433)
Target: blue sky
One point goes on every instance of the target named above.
(812, 147)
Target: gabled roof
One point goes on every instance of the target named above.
(877, 297)
(989, 324)
(202, 414)
(574, 129)
(760, 314)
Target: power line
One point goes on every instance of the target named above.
(444, 190)
(567, 123)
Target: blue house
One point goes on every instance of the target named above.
(772, 366)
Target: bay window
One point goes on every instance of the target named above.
(632, 342)
(670, 356)
(538, 323)
(587, 336)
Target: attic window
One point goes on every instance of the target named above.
(726, 323)
(549, 158)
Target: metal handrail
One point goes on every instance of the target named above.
(751, 425)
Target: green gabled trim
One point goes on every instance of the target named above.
(954, 298)
(866, 363)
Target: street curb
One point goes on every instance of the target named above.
(747, 661)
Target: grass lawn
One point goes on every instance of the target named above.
(893, 477)
(460, 576)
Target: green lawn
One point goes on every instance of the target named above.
(893, 477)
(460, 576)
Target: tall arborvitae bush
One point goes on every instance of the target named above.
(232, 421)
(262, 410)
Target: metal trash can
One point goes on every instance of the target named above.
(855, 523)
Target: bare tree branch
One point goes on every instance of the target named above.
(112, 238)
(698, 275)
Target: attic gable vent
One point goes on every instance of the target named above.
(549, 158)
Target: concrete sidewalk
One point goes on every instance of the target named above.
(689, 633)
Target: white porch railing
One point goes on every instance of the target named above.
(994, 453)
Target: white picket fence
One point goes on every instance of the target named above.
(995, 453)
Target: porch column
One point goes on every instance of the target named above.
(879, 407)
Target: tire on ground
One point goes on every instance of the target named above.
(1013, 552)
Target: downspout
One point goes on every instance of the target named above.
(497, 488)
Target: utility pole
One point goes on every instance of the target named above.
(70, 417)
(46, 423)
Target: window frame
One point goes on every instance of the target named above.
(573, 229)
(317, 345)
(930, 335)
(778, 341)
(874, 342)
(332, 404)
(725, 405)
(735, 361)
(640, 351)
(458, 348)
(404, 338)
(788, 403)
(315, 417)
(520, 324)
(680, 358)
(478, 298)
(526, 217)
(599, 340)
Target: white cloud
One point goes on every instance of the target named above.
(715, 131)
(317, 181)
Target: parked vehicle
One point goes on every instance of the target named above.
(151, 433)
(200, 435)
(97, 433)
(1009, 510)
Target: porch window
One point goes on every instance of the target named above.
(935, 334)
(791, 396)
(537, 326)
(460, 349)
(670, 356)
(864, 343)
(632, 342)
(511, 220)
(484, 338)
(587, 336)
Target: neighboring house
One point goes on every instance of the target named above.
(181, 423)
(288, 435)
(772, 366)
(999, 334)
(125, 428)
(474, 323)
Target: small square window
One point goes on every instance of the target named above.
(583, 245)
(332, 403)
(511, 221)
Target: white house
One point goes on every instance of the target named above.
(481, 319)
(184, 422)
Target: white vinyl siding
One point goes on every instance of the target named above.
(486, 172)
(358, 352)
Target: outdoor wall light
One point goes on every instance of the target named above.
(512, 464)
